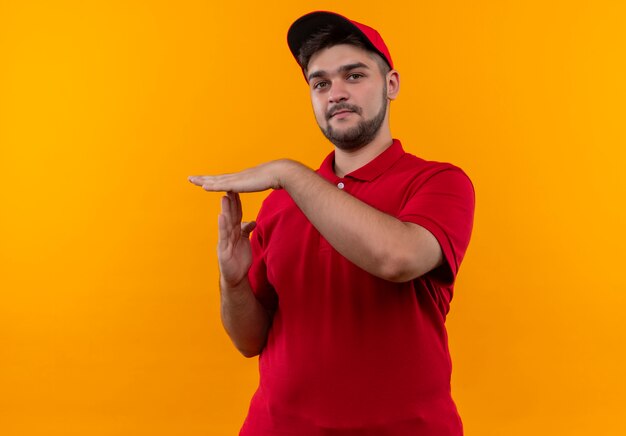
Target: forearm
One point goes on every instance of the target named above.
(246, 321)
(375, 241)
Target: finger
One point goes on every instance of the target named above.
(226, 212)
(246, 228)
(224, 225)
(235, 205)
(212, 183)
(209, 183)
(222, 233)
(238, 208)
(242, 181)
(196, 180)
(223, 182)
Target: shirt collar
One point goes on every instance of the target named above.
(370, 170)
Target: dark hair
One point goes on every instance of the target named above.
(330, 36)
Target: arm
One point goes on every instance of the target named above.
(376, 242)
(246, 321)
(373, 240)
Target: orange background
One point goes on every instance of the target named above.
(109, 318)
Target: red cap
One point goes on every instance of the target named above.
(310, 23)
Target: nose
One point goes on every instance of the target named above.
(338, 92)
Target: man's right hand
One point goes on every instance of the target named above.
(233, 247)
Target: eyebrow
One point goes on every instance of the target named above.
(341, 69)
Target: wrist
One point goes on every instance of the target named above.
(290, 170)
(233, 286)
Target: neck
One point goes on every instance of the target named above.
(347, 161)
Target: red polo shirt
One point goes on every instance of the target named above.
(350, 353)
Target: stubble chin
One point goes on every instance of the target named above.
(355, 137)
(348, 138)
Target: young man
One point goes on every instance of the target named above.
(344, 287)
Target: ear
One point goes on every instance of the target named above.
(393, 84)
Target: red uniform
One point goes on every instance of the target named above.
(349, 353)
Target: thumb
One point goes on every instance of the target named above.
(246, 228)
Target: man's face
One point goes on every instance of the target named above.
(349, 95)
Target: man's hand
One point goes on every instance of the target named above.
(233, 246)
(270, 175)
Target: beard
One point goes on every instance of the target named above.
(361, 134)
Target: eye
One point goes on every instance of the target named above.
(354, 76)
(321, 84)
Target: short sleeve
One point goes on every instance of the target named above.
(444, 205)
(257, 274)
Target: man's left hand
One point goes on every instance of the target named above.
(270, 175)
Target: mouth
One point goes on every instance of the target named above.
(341, 112)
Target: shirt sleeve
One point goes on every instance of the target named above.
(444, 205)
(257, 274)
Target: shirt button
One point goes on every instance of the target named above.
(340, 185)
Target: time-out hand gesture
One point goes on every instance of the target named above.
(233, 248)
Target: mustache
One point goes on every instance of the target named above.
(342, 106)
